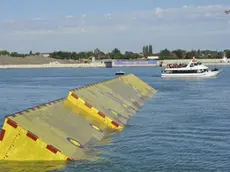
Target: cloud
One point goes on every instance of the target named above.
(192, 12)
(185, 27)
(159, 12)
(37, 18)
(83, 15)
(108, 16)
(69, 17)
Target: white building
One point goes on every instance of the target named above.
(152, 57)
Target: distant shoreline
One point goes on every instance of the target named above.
(38, 66)
(211, 62)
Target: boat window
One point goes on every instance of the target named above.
(185, 71)
(167, 71)
(192, 65)
(179, 65)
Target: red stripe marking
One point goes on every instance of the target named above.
(12, 123)
(88, 105)
(75, 96)
(101, 114)
(2, 134)
(115, 124)
(32, 136)
(68, 159)
(52, 148)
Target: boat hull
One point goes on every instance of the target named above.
(200, 75)
(119, 73)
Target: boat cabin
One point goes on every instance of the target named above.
(185, 71)
(192, 67)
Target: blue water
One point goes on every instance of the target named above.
(184, 127)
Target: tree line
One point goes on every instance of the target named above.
(16, 54)
(147, 50)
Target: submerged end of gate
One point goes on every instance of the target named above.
(68, 128)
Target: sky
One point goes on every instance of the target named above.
(83, 25)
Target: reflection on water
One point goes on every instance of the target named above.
(31, 166)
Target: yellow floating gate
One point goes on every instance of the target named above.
(68, 128)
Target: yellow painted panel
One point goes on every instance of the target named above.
(89, 112)
(16, 145)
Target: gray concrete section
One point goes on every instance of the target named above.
(126, 92)
(96, 96)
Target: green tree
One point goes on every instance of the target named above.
(15, 54)
(219, 55)
(89, 54)
(4, 53)
(190, 54)
(116, 54)
(198, 53)
(165, 52)
(180, 54)
(227, 53)
(131, 55)
(74, 56)
(96, 52)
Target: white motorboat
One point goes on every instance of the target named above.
(192, 69)
(120, 72)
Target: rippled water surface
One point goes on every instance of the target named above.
(184, 127)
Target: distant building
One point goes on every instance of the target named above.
(93, 59)
(152, 57)
(45, 54)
